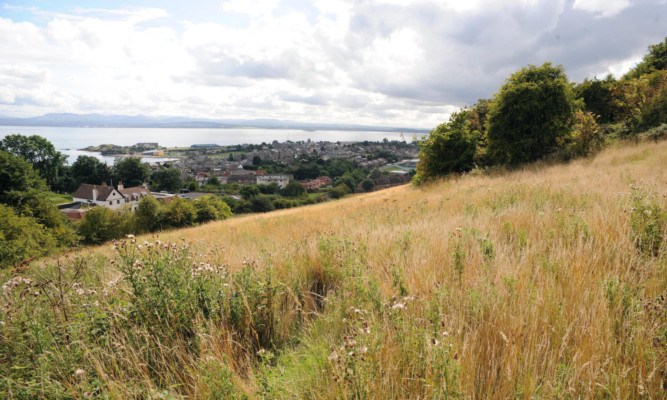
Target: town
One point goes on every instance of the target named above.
(319, 171)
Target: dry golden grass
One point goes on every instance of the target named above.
(539, 283)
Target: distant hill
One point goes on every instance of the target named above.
(142, 121)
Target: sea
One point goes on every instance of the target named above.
(69, 141)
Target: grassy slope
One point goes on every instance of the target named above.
(527, 283)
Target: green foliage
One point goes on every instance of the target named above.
(338, 191)
(655, 60)
(367, 185)
(102, 224)
(586, 136)
(449, 148)
(148, 215)
(249, 191)
(293, 189)
(598, 98)
(16, 177)
(168, 179)
(531, 115)
(211, 208)
(88, 169)
(40, 153)
(179, 213)
(261, 203)
(22, 238)
(213, 181)
(193, 186)
(649, 225)
(131, 171)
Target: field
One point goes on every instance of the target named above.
(57, 198)
(544, 282)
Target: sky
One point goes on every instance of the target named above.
(377, 62)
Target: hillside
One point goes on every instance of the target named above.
(544, 282)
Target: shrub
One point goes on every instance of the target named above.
(179, 213)
(101, 225)
(22, 238)
(449, 148)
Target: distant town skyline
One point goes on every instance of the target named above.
(375, 62)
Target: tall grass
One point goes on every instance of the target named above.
(546, 282)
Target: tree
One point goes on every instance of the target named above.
(179, 213)
(449, 148)
(17, 177)
(39, 152)
(210, 208)
(261, 204)
(88, 169)
(213, 181)
(655, 60)
(167, 179)
(131, 171)
(598, 97)
(22, 237)
(148, 214)
(531, 115)
(193, 186)
(100, 225)
(249, 191)
(367, 185)
(293, 189)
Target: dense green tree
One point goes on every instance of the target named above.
(339, 191)
(167, 179)
(261, 203)
(271, 188)
(213, 181)
(148, 214)
(22, 237)
(17, 177)
(39, 152)
(179, 213)
(449, 148)
(531, 116)
(193, 186)
(655, 60)
(598, 97)
(88, 169)
(249, 191)
(293, 189)
(211, 208)
(100, 225)
(367, 185)
(131, 171)
(307, 171)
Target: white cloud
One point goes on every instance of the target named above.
(604, 8)
(386, 62)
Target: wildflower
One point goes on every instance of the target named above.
(398, 306)
(129, 236)
(80, 373)
(362, 350)
(333, 356)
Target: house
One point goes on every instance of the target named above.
(202, 177)
(317, 183)
(242, 179)
(281, 180)
(134, 194)
(100, 195)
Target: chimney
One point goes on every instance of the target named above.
(94, 193)
(120, 185)
(145, 185)
(104, 184)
